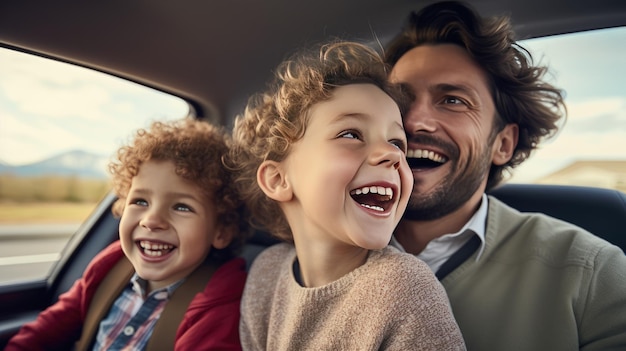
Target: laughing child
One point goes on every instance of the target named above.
(320, 159)
(179, 214)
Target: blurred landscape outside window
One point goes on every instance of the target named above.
(589, 150)
(60, 124)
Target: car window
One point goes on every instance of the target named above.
(588, 151)
(59, 126)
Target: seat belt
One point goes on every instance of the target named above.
(164, 332)
(109, 289)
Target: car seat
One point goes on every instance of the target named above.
(599, 211)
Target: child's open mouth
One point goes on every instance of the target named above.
(376, 198)
(154, 249)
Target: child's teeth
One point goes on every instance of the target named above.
(376, 208)
(374, 190)
(154, 249)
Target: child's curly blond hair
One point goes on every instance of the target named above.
(197, 149)
(274, 120)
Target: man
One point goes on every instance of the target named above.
(515, 281)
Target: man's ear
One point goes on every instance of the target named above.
(505, 143)
(271, 178)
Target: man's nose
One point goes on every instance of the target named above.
(419, 118)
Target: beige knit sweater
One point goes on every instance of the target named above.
(392, 302)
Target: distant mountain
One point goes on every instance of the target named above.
(4, 167)
(77, 163)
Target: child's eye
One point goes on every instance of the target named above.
(350, 134)
(138, 202)
(183, 207)
(400, 144)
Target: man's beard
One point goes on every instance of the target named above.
(454, 191)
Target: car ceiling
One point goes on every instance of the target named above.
(216, 53)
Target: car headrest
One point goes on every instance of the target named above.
(600, 211)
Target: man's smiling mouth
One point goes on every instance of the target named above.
(376, 198)
(424, 159)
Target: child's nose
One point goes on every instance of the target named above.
(154, 220)
(387, 154)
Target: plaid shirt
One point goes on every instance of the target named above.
(130, 322)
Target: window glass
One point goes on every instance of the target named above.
(59, 126)
(589, 149)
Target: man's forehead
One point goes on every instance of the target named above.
(444, 67)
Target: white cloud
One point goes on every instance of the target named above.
(51, 100)
(49, 107)
(614, 105)
(596, 130)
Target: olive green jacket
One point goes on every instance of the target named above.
(540, 284)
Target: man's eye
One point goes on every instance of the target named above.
(453, 100)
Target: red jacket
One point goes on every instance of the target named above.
(210, 323)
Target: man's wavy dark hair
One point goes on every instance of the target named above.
(520, 94)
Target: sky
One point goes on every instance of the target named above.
(47, 108)
(590, 66)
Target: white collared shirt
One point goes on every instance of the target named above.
(439, 250)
